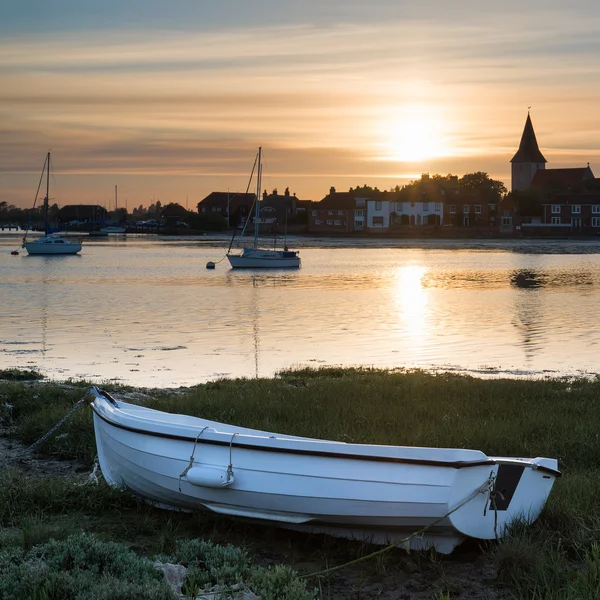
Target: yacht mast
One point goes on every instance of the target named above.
(258, 186)
(46, 228)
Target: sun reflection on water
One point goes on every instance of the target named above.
(411, 299)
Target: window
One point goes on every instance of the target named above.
(576, 209)
(506, 221)
(314, 213)
(218, 209)
(425, 206)
(358, 224)
(337, 222)
(340, 212)
(377, 221)
(453, 209)
(214, 209)
(478, 209)
(329, 212)
(204, 209)
(318, 222)
(360, 201)
(438, 206)
(555, 220)
(329, 222)
(359, 213)
(412, 204)
(556, 209)
(377, 204)
(595, 221)
(400, 206)
(466, 208)
(596, 209)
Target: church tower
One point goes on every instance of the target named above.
(527, 160)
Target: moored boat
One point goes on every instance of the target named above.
(254, 257)
(375, 493)
(50, 244)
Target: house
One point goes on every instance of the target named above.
(577, 212)
(234, 207)
(417, 213)
(338, 212)
(463, 210)
(282, 208)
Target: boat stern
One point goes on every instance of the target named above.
(515, 490)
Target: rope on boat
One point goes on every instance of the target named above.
(185, 471)
(486, 488)
(230, 466)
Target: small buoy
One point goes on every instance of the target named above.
(210, 264)
(15, 253)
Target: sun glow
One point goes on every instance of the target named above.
(415, 133)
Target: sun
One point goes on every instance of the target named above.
(415, 133)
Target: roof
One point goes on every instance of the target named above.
(528, 151)
(545, 178)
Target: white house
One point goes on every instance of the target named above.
(419, 213)
(378, 214)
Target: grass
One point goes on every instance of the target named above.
(555, 418)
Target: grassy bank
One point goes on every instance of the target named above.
(556, 558)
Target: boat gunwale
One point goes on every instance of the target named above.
(309, 452)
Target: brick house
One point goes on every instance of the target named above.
(338, 212)
(577, 212)
(232, 206)
(465, 211)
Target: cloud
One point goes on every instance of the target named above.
(318, 96)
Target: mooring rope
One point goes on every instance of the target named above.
(49, 433)
(485, 488)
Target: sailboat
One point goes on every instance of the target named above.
(50, 244)
(254, 257)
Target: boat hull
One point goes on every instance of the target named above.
(380, 494)
(267, 259)
(50, 246)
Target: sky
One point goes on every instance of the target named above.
(170, 101)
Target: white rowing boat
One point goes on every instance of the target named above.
(380, 494)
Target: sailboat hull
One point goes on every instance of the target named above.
(264, 259)
(52, 246)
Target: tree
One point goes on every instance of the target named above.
(480, 185)
(528, 202)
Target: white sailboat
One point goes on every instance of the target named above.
(254, 257)
(50, 244)
(380, 494)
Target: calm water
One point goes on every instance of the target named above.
(146, 311)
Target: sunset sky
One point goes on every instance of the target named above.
(170, 100)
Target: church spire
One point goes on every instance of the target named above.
(528, 151)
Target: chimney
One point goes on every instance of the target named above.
(332, 190)
(287, 190)
(265, 195)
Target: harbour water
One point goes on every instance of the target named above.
(144, 310)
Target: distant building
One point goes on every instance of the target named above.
(528, 168)
(528, 160)
(234, 207)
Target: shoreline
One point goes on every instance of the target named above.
(502, 417)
